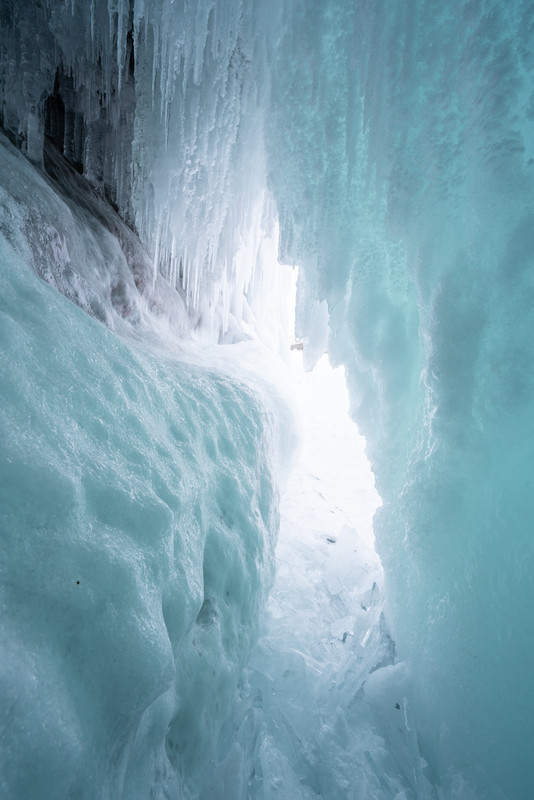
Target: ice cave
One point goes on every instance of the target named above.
(267, 399)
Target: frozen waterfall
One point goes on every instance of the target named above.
(160, 162)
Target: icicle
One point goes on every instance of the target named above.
(187, 282)
(121, 43)
(225, 294)
(156, 257)
(155, 30)
(196, 286)
(173, 263)
(185, 273)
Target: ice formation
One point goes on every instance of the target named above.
(173, 151)
(138, 522)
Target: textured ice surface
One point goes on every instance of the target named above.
(415, 224)
(161, 108)
(138, 520)
(395, 143)
(78, 244)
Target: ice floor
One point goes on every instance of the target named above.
(325, 553)
(321, 715)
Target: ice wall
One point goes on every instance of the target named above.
(138, 516)
(401, 143)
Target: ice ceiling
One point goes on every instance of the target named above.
(385, 147)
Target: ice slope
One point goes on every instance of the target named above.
(138, 519)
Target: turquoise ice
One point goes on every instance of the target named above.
(138, 520)
(387, 149)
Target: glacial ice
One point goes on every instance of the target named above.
(179, 148)
(418, 234)
(139, 518)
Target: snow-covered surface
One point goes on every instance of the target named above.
(321, 635)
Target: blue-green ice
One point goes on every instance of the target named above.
(163, 167)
